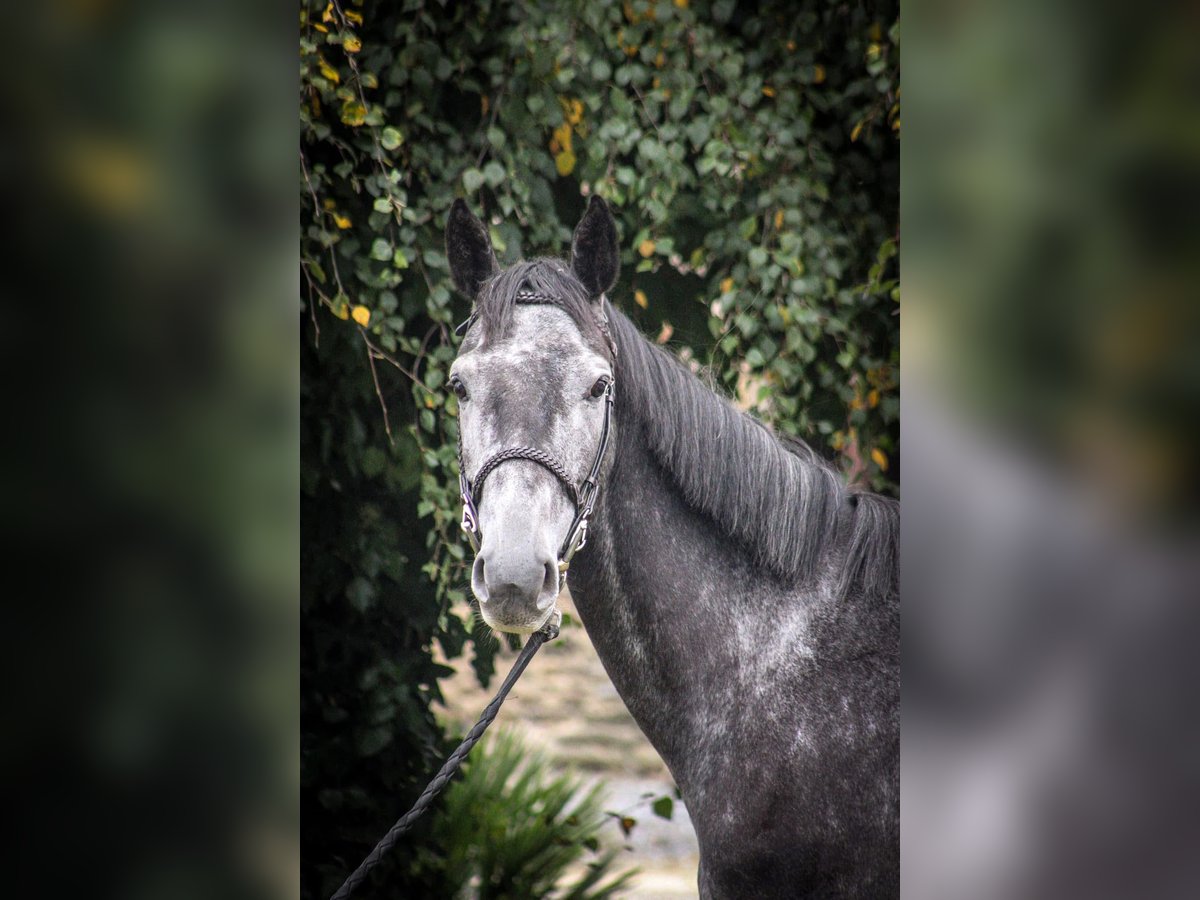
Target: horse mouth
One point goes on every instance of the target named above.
(515, 624)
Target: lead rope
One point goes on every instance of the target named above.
(547, 632)
(585, 498)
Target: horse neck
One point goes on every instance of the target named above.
(674, 607)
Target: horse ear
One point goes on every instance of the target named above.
(595, 256)
(469, 249)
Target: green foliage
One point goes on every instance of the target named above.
(664, 807)
(509, 830)
(751, 156)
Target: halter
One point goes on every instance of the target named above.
(582, 495)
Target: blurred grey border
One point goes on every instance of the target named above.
(1050, 213)
(149, 633)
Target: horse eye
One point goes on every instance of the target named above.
(460, 389)
(599, 387)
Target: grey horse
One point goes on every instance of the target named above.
(742, 599)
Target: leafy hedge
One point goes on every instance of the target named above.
(751, 154)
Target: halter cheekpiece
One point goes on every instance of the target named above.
(582, 495)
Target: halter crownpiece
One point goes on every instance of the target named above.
(582, 495)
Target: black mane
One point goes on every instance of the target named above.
(778, 498)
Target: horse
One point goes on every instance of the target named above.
(743, 599)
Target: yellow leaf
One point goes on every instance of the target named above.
(791, 46)
(361, 315)
(342, 222)
(857, 130)
(665, 334)
(562, 134)
(631, 51)
(329, 71)
(321, 28)
(354, 113)
(818, 74)
(484, 104)
(355, 17)
(572, 110)
(768, 91)
(565, 162)
(682, 4)
(342, 310)
(873, 398)
(838, 441)
(778, 219)
(646, 248)
(880, 458)
(639, 298)
(659, 60)
(351, 44)
(327, 16)
(328, 203)
(726, 285)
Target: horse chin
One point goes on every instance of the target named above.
(521, 625)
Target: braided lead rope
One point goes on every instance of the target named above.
(547, 632)
(533, 455)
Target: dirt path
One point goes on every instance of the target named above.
(566, 706)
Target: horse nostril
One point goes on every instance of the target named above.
(479, 579)
(550, 582)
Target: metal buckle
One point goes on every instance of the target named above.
(469, 526)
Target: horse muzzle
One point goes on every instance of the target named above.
(516, 592)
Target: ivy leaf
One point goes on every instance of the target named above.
(663, 807)
(391, 138)
(472, 180)
(493, 173)
(360, 593)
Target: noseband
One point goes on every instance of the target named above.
(582, 495)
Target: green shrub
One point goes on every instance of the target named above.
(511, 830)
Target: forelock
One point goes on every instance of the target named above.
(552, 279)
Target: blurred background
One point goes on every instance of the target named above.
(150, 506)
(1051, 185)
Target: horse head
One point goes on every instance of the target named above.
(534, 383)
